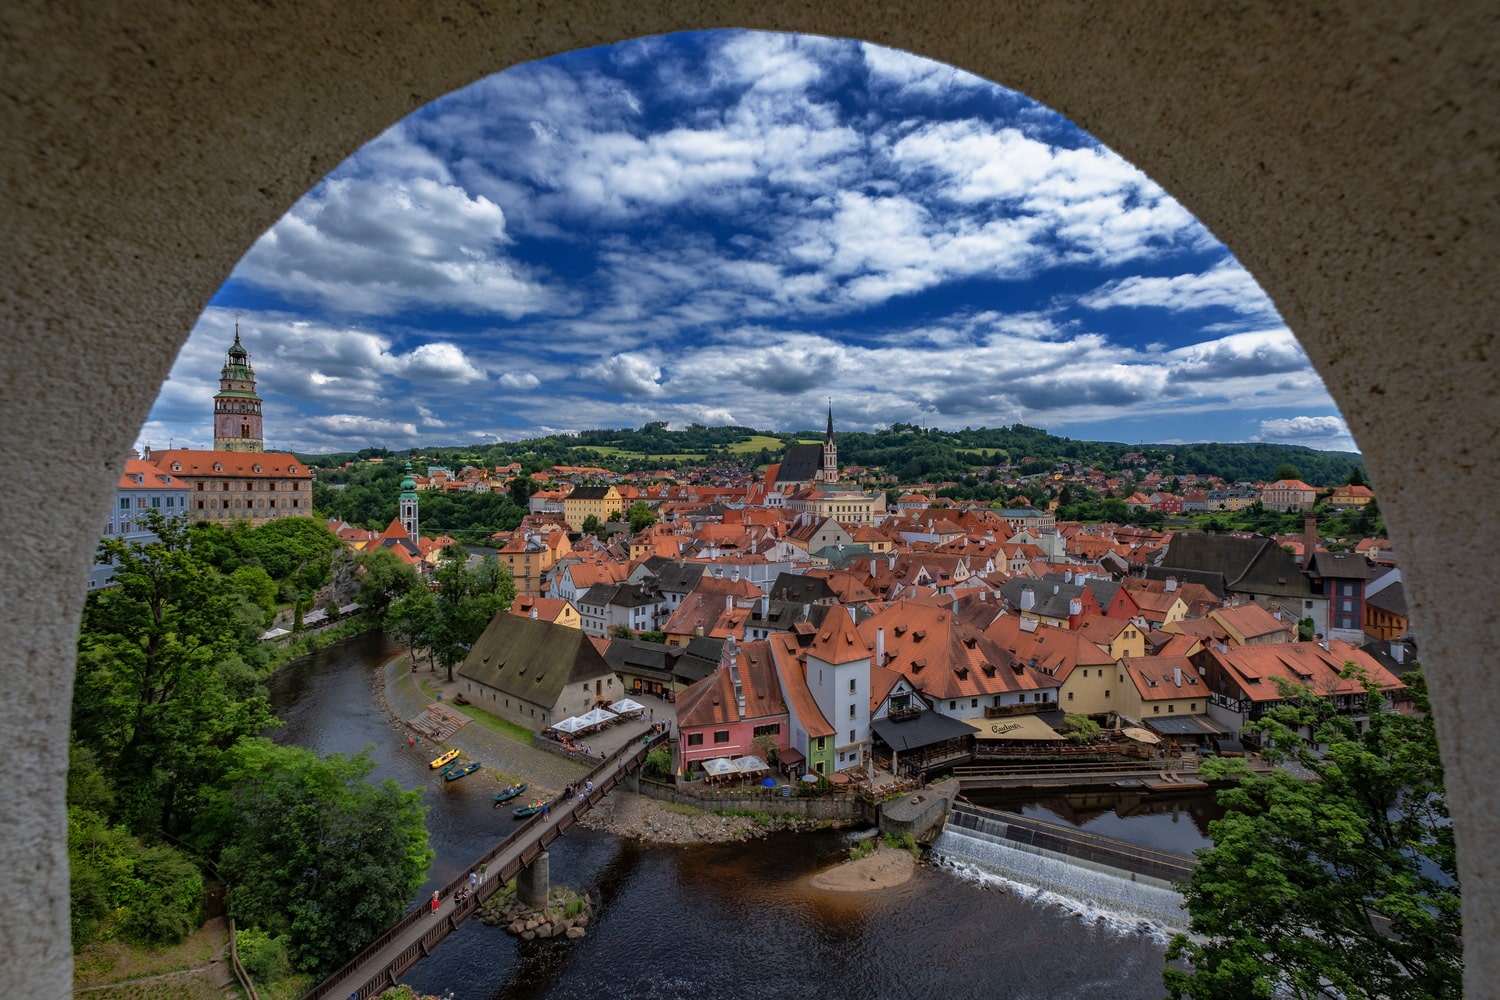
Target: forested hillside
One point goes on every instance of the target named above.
(911, 453)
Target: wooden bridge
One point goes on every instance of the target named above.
(383, 961)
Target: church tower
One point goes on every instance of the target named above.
(408, 512)
(237, 425)
(830, 452)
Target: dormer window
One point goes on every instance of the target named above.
(292, 469)
(256, 467)
(218, 466)
(176, 466)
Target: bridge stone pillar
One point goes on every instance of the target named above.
(534, 883)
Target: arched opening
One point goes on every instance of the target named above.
(1342, 156)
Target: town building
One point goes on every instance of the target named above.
(535, 673)
(141, 488)
(1288, 494)
(603, 503)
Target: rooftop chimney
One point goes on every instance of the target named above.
(1177, 676)
(728, 602)
(880, 647)
(1171, 586)
(765, 606)
(533, 614)
(1028, 598)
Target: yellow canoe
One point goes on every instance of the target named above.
(445, 758)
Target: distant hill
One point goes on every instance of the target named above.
(910, 452)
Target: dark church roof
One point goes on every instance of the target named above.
(802, 464)
(1225, 563)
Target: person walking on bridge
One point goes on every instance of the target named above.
(435, 902)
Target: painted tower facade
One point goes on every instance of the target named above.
(237, 418)
(408, 511)
(830, 452)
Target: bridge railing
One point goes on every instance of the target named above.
(606, 775)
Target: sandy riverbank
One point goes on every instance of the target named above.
(887, 868)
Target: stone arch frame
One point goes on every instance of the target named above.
(1346, 155)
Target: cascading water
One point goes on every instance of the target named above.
(976, 847)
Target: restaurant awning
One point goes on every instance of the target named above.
(1186, 725)
(1014, 727)
(923, 731)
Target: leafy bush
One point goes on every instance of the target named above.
(263, 955)
(1080, 728)
(658, 764)
(166, 903)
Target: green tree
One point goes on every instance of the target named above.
(1356, 477)
(1286, 470)
(412, 619)
(641, 516)
(1341, 886)
(160, 690)
(315, 854)
(383, 577)
(521, 488)
(467, 599)
(592, 526)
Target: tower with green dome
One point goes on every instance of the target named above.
(408, 513)
(237, 421)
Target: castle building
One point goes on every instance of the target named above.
(238, 479)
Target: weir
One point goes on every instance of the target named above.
(1086, 868)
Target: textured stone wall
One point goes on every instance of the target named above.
(1346, 154)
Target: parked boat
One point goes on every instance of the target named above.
(454, 773)
(530, 809)
(446, 758)
(509, 792)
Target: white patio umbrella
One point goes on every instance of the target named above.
(720, 767)
(626, 705)
(749, 765)
(570, 725)
(596, 717)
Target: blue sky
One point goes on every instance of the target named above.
(733, 227)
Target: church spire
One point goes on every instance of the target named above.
(830, 451)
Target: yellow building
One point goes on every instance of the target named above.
(1154, 686)
(601, 502)
(548, 609)
(529, 556)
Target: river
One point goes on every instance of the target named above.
(737, 920)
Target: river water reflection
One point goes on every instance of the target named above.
(721, 921)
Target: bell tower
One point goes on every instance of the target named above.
(237, 421)
(408, 511)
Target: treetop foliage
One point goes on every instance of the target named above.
(1345, 885)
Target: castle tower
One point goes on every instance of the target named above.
(830, 452)
(237, 421)
(408, 512)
